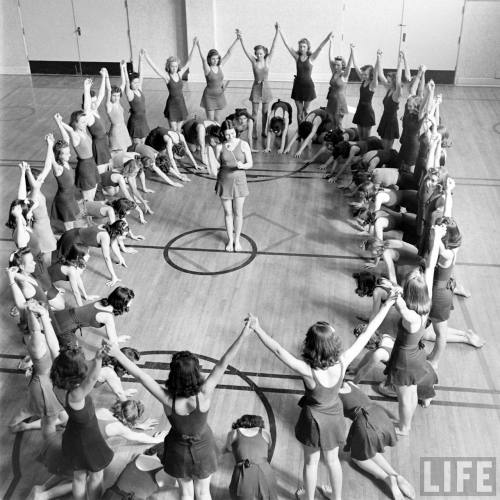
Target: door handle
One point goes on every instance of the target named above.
(78, 31)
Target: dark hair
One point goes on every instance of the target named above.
(248, 421)
(58, 147)
(213, 132)
(277, 125)
(304, 129)
(128, 412)
(334, 136)
(308, 43)
(261, 47)
(16, 258)
(118, 228)
(416, 293)
(75, 254)
(69, 369)
(184, 378)
(92, 94)
(162, 161)
(25, 206)
(341, 149)
(242, 112)
(75, 116)
(368, 67)
(118, 299)
(226, 125)
(131, 353)
(321, 347)
(392, 76)
(121, 206)
(453, 238)
(211, 53)
(116, 90)
(178, 149)
(133, 76)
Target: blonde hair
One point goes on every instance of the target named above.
(169, 62)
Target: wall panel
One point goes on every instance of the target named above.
(12, 52)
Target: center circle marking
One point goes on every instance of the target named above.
(170, 247)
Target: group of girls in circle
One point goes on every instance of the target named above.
(402, 199)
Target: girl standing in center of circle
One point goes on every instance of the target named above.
(232, 158)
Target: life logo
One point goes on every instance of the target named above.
(458, 476)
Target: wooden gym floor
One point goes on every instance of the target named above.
(300, 251)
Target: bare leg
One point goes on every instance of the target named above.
(265, 108)
(219, 113)
(228, 219)
(79, 486)
(380, 225)
(300, 111)
(306, 109)
(377, 472)
(201, 132)
(17, 424)
(202, 489)
(210, 114)
(255, 111)
(332, 462)
(94, 485)
(40, 493)
(408, 401)
(187, 489)
(310, 471)
(238, 221)
(456, 336)
(440, 328)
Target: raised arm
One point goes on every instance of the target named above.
(163, 76)
(206, 67)
(407, 71)
(315, 54)
(108, 93)
(216, 375)
(227, 55)
(354, 64)
(273, 44)
(144, 378)
(186, 65)
(352, 352)
(293, 53)
(437, 233)
(397, 93)
(448, 198)
(295, 364)
(21, 190)
(87, 85)
(381, 76)
(48, 330)
(239, 36)
(348, 68)
(102, 88)
(123, 75)
(49, 159)
(374, 82)
(68, 134)
(139, 67)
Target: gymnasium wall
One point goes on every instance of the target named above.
(428, 29)
(12, 53)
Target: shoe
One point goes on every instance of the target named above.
(386, 390)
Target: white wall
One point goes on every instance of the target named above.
(159, 26)
(12, 53)
(214, 22)
(479, 54)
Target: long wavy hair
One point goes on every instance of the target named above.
(185, 378)
(416, 293)
(321, 347)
